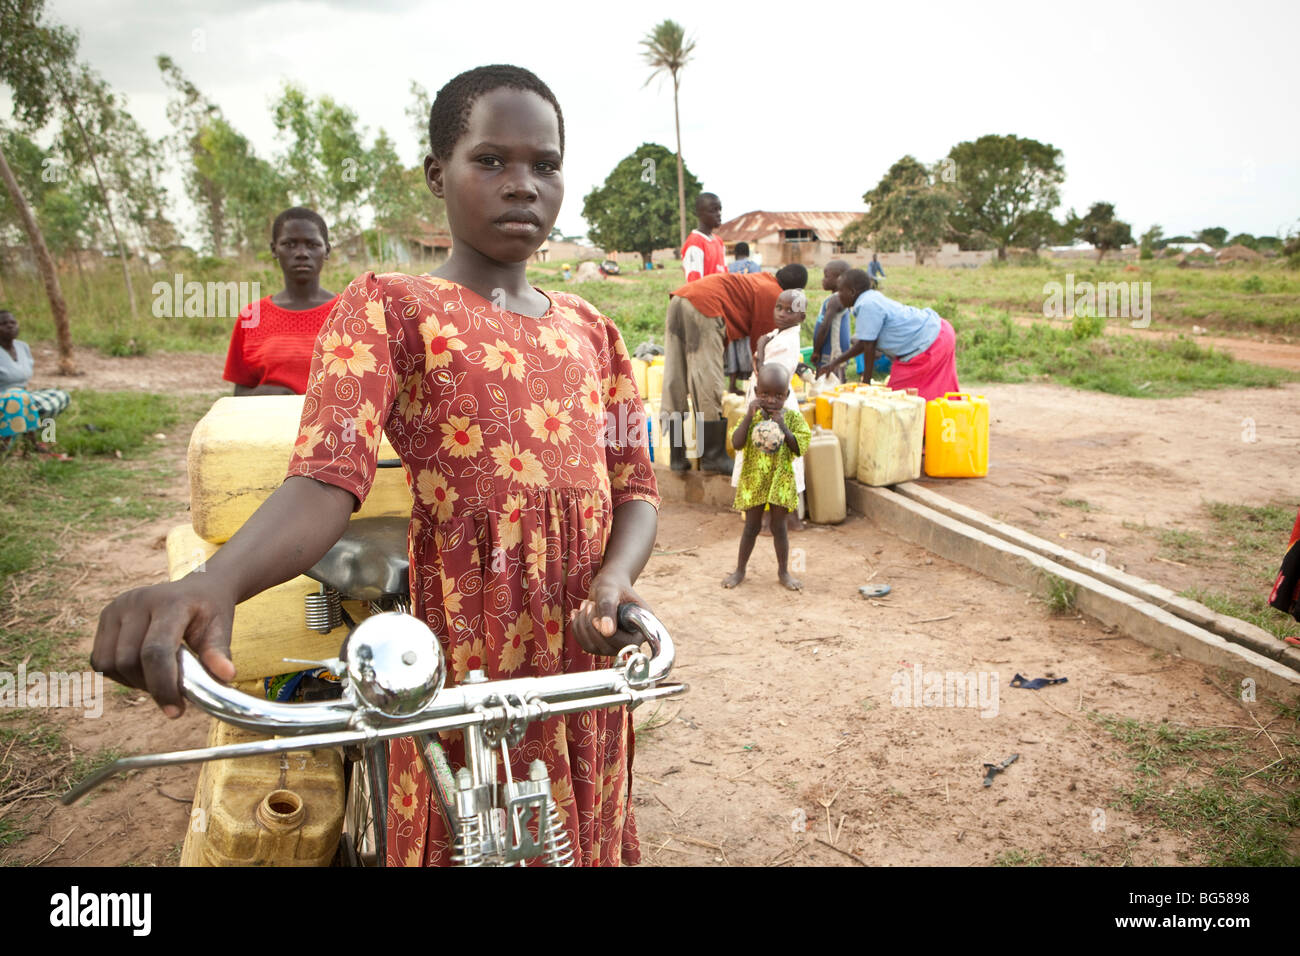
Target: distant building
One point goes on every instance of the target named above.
(780, 238)
(424, 245)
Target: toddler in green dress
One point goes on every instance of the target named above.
(767, 478)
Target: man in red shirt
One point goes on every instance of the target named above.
(702, 317)
(703, 253)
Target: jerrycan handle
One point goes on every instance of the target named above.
(960, 396)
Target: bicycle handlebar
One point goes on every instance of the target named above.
(370, 653)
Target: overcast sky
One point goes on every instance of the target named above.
(1183, 114)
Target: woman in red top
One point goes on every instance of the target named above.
(271, 348)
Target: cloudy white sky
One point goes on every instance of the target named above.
(1179, 113)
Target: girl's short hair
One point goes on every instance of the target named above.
(449, 115)
(299, 212)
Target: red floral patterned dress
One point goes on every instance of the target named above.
(500, 420)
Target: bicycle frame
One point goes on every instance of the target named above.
(393, 671)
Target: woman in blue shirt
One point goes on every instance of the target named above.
(921, 344)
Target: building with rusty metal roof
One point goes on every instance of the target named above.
(779, 238)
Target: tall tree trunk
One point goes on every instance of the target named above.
(58, 308)
(108, 207)
(681, 189)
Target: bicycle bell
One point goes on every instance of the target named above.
(395, 664)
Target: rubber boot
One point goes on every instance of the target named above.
(677, 457)
(714, 458)
(675, 436)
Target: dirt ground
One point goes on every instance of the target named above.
(165, 372)
(789, 734)
(1135, 462)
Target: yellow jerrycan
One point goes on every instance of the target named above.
(733, 410)
(239, 454)
(654, 378)
(824, 474)
(846, 416)
(271, 810)
(639, 367)
(889, 438)
(957, 436)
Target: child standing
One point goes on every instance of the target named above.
(529, 525)
(767, 478)
(781, 347)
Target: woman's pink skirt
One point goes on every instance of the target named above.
(934, 371)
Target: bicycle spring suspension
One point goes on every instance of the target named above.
(559, 848)
(324, 610)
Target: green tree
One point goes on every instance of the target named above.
(325, 159)
(1101, 229)
(27, 48)
(253, 191)
(417, 111)
(1244, 239)
(190, 112)
(909, 208)
(398, 195)
(1006, 188)
(668, 51)
(57, 203)
(1215, 236)
(1151, 240)
(633, 210)
(98, 134)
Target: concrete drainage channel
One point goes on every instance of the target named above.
(1144, 611)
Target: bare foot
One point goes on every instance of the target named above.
(791, 582)
(734, 578)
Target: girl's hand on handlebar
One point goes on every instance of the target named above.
(595, 623)
(139, 636)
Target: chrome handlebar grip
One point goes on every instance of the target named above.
(254, 713)
(632, 617)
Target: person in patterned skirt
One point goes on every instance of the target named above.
(521, 431)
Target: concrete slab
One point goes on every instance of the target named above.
(694, 487)
(1237, 631)
(1012, 564)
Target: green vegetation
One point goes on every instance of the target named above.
(1019, 858)
(1061, 594)
(1244, 547)
(1076, 503)
(1246, 814)
(979, 303)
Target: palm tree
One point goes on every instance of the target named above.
(668, 50)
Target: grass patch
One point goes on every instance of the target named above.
(1061, 596)
(1248, 810)
(1076, 503)
(1183, 545)
(992, 348)
(1019, 858)
(1252, 608)
(1156, 747)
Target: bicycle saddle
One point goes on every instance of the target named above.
(369, 562)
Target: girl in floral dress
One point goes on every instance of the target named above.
(520, 429)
